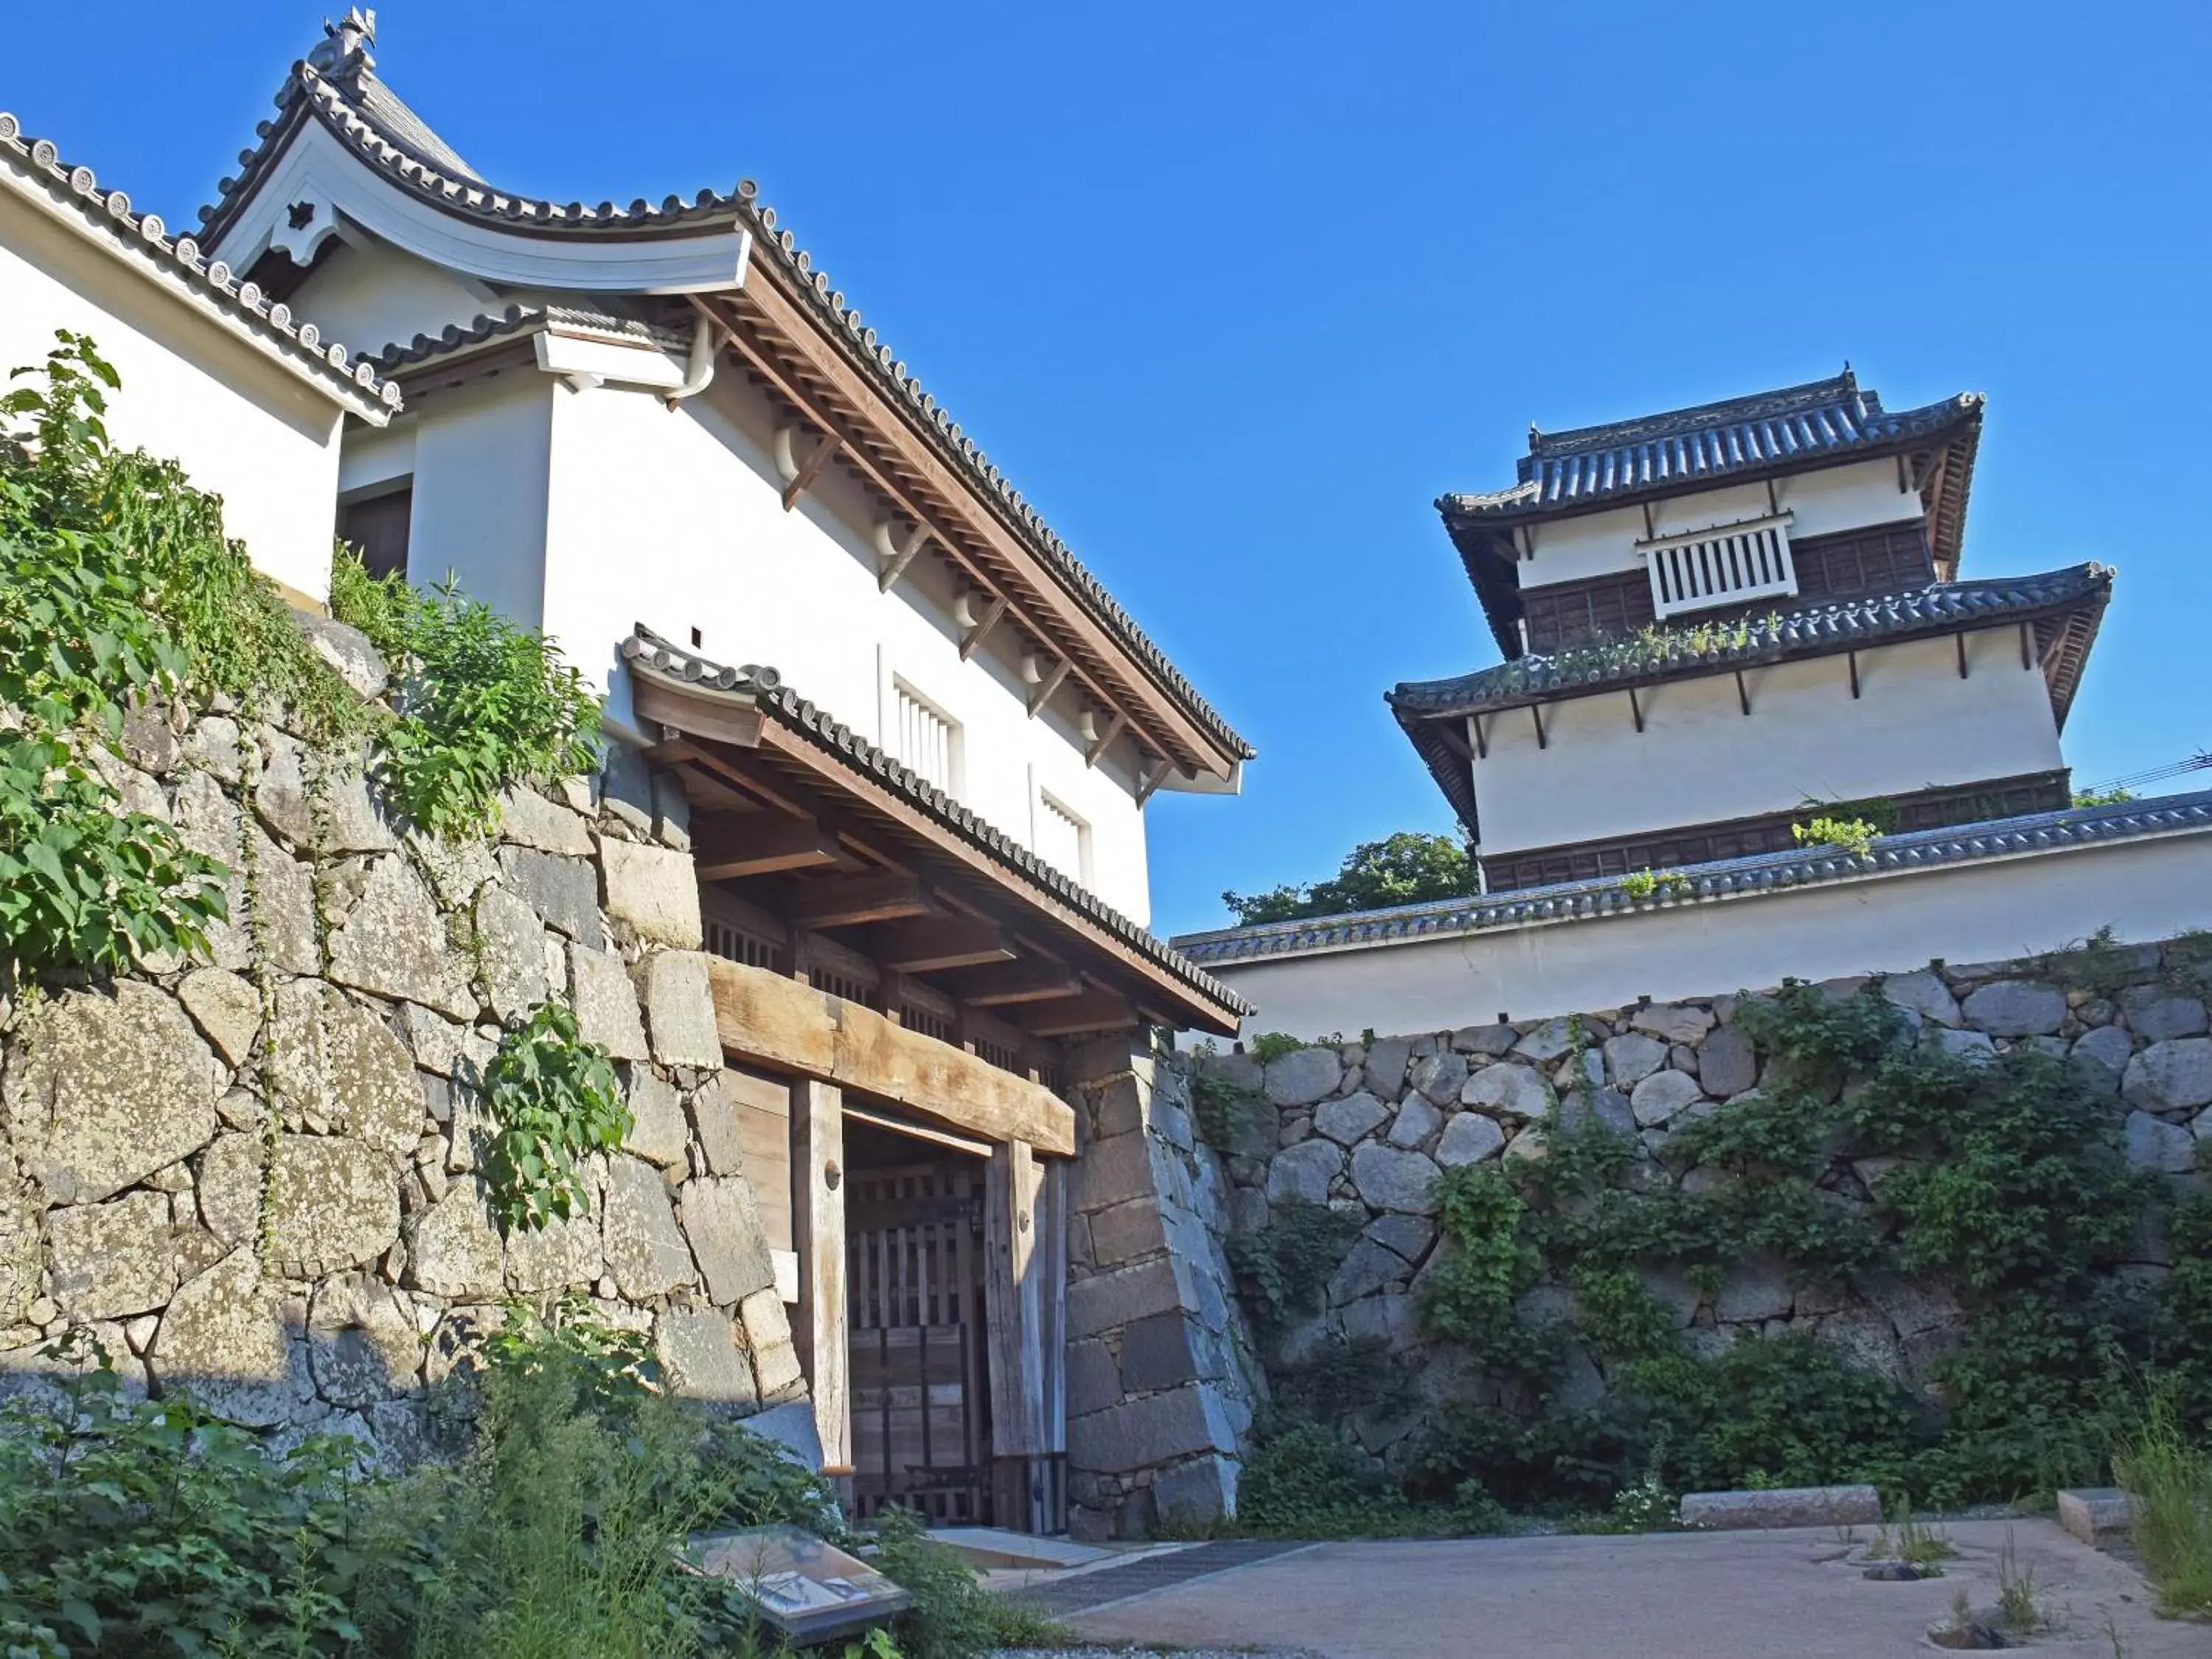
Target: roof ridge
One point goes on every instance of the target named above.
(307, 88)
(662, 656)
(1781, 400)
(1723, 879)
(147, 235)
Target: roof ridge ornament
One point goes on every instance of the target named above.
(343, 51)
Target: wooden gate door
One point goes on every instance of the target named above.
(922, 1433)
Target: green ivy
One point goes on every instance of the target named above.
(1284, 1269)
(554, 1100)
(488, 703)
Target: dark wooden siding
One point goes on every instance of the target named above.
(377, 528)
(1665, 849)
(1888, 558)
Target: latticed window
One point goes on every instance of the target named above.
(1725, 565)
(924, 739)
(1062, 839)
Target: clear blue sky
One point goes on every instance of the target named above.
(1234, 292)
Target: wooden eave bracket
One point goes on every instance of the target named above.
(727, 847)
(850, 901)
(811, 468)
(1081, 1016)
(973, 640)
(1049, 686)
(895, 567)
(1155, 774)
(1099, 743)
(929, 945)
(730, 717)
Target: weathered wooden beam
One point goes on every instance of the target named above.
(849, 901)
(817, 1216)
(1094, 1011)
(895, 567)
(816, 459)
(1050, 685)
(725, 717)
(1013, 1311)
(1104, 740)
(926, 945)
(975, 637)
(1005, 984)
(759, 844)
(764, 1017)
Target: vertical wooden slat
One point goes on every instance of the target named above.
(818, 1159)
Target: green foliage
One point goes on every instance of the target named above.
(83, 885)
(487, 705)
(1642, 885)
(1227, 1115)
(2103, 797)
(1468, 1295)
(1338, 1377)
(1284, 1269)
(1404, 869)
(555, 1100)
(1856, 835)
(2168, 1468)
(1305, 1479)
(1273, 1045)
(953, 1617)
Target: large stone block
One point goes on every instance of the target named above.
(1305, 1171)
(1105, 1301)
(1156, 1353)
(1632, 1057)
(223, 1340)
(1469, 1138)
(1788, 1506)
(2157, 1014)
(363, 1345)
(1392, 1178)
(714, 1121)
(1198, 1494)
(1094, 1378)
(1674, 1022)
(1924, 993)
(113, 1260)
(605, 1002)
(1661, 1095)
(646, 1250)
(1366, 1268)
(1349, 1120)
(700, 1350)
(679, 1009)
(333, 1203)
(393, 943)
(1439, 1077)
(1139, 1433)
(2170, 1076)
(1384, 1068)
(2154, 1144)
(1304, 1076)
(721, 1220)
(511, 943)
(1122, 1232)
(527, 818)
(114, 1088)
(1508, 1091)
(776, 1357)
(338, 1065)
(658, 1132)
(563, 891)
(652, 891)
(1727, 1063)
(1416, 1121)
(1114, 1170)
(2014, 1008)
(454, 1250)
(226, 1007)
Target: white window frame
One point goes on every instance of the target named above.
(1721, 564)
(1048, 806)
(904, 743)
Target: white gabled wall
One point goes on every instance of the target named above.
(481, 458)
(371, 294)
(241, 427)
(1849, 497)
(2148, 889)
(1700, 760)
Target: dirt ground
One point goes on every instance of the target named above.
(1670, 1595)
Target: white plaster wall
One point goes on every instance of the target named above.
(243, 427)
(1988, 910)
(1700, 760)
(675, 519)
(481, 455)
(1848, 497)
(371, 294)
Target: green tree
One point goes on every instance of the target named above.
(1404, 869)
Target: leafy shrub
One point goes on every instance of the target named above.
(1855, 835)
(1227, 1115)
(489, 703)
(1404, 869)
(2169, 1470)
(953, 1617)
(1284, 1269)
(554, 1099)
(1305, 1479)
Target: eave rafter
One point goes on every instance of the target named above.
(767, 332)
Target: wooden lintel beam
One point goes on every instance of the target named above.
(759, 844)
(777, 1022)
(973, 640)
(1048, 686)
(930, 944)
(850, 901)
(895, 567)
(811, 468)
(1006, 984)
(726, 717)
(1104, 740)
(1080, 1015)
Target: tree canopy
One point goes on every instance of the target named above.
(1405, 869)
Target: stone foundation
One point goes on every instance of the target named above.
(253, 1180)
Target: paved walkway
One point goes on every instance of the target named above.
(1677, 1595)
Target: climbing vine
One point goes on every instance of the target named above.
(554, 1100)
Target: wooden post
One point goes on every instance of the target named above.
(1013, 1300)
(818, 1222)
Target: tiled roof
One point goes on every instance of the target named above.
(1726, 880)
(526, 319)
(348, 98)
(1864, 619)
(142, 237)
(1822, 419)
(648, 652)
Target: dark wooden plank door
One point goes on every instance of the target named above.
(920, 1407)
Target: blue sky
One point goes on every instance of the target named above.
(1233, 293)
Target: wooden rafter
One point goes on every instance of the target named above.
(1104, 740)
(849, 901)
(973, 640)
(927, 945)
(725, 848)
(1081, 1016)
(1048, 687)
(1007, 984)
(810, 468)
(916, 539)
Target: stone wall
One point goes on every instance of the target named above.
(1162, 1380)
(252, 1178)
(1366, 1127)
